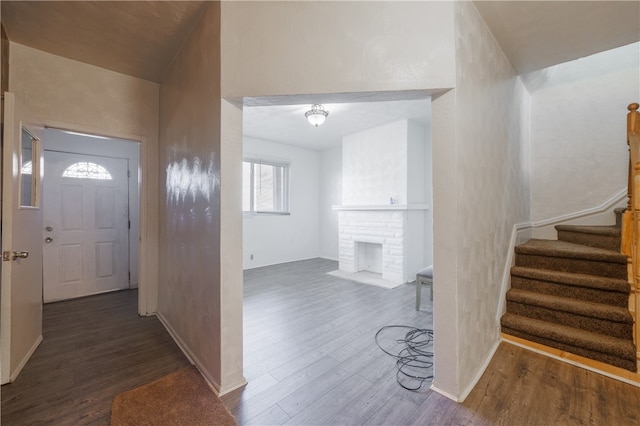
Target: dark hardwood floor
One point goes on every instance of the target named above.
(93, 349)
(310, 358)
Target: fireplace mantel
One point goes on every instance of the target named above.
(373, 207)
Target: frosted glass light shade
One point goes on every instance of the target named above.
(316, 115)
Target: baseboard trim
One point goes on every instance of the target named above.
(446, 394)
(610, 203)
(460, 398)
(480, 371)
(334, 259)
(25, 359)
(193, 359)
(281, 263)
(224, 390)
(576, 360)
(506, 272)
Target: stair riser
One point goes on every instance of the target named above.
(593, 325)
(627, 364)
(573, 292)
(577, 266)
(600, 241)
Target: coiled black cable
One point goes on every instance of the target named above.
(413, 352)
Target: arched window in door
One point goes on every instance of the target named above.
(87, 170)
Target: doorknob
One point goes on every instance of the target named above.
(48, 240)
(7, 255)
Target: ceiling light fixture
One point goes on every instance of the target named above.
(316, 115)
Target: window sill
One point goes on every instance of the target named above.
(251, 214)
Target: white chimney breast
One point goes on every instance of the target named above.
(383, 174)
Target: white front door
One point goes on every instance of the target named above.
(21, 295)
(86, 225)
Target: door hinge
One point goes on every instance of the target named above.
(128, 173)
(129, 224)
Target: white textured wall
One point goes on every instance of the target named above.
(490, 195)
(416, 167)
(273, 239)
(425, 163)
(330, 195)
(287, 48)
(231, 246)
(375, 165)
(578, 131)
(73, 95)
(191, 295)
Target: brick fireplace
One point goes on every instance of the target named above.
(387, 227)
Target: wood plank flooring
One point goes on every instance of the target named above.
(93, 349)
(310, 358)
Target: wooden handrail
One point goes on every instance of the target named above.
(631, 218)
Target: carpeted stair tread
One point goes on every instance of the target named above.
(573, 279)
(605, 237)
(570, 257)
(578, 286)
(564, 249)
(577, 307)
(593, 342)
(610, 231)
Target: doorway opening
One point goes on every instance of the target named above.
(91, 214)
(308, 237)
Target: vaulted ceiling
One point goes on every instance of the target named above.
(137, 38)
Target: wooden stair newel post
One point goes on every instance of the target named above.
(631, 218)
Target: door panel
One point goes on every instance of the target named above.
(86, 226)
(21, 301)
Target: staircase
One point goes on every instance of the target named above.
(572, 294)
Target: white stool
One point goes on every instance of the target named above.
(424, 276)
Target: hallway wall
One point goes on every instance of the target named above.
(191, 300)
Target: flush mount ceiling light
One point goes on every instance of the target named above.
(316, 115)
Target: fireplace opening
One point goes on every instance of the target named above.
(369, 257)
